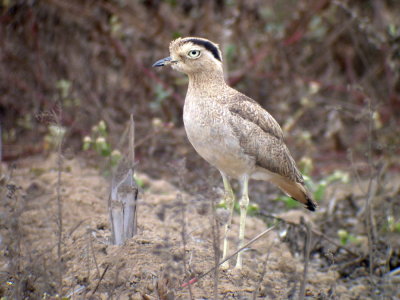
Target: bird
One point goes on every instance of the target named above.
(232, 132)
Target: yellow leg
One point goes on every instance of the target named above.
(230, 201)
(244, 203)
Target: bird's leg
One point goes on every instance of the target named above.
(229, 198)
(244, 203)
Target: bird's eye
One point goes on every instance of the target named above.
(194, 53)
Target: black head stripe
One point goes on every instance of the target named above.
(209, 46)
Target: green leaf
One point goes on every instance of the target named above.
(86, 146)
(139, 182)
(320, 192)
(222, 204)
(102, 128)
(64, 87)
(343, 236)
(397, 227)
(253, 209)
(289, 202)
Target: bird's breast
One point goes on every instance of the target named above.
(207, 125)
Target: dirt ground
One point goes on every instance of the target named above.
(152, 264)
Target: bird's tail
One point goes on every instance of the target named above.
(295, 190)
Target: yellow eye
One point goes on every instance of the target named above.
(194, 53)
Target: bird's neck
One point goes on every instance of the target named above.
(206, 83)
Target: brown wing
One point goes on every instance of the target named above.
(262, 137)
(251, 111)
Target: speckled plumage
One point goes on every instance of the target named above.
(228, 129)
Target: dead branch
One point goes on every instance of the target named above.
(316, 232)
(216, 243)
(100, 279)
(307, 250)
(263, 272)
(181, 169)
(58, 117)
(196, 279)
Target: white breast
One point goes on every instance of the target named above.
(208, 130)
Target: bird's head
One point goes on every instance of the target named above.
(193, 55)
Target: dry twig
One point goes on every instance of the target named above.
(57, 118)
(181, 172)
(263, 272)
(100, 279)
(196, 279)
(316, 232)
(307, 250)
(216, 239)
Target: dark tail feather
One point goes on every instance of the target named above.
(310, 205)
(296, 191)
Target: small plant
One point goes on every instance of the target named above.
(97, 141)
(252, 209)
(318, 188)
(115, 26)
(392, 225)
(64, 88)
(140, 183)
(289, 202)
(346, 238)
(54, 136)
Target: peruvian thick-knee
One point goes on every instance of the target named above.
(230, 130)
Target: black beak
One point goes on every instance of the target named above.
(162, 62)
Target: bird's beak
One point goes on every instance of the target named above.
(163, 62)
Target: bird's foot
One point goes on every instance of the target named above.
(239, 262)
(238, 266)
(224, 266)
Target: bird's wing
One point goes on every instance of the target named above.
(262, 137)
(251, 111)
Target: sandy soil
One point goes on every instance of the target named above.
(150, 265)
